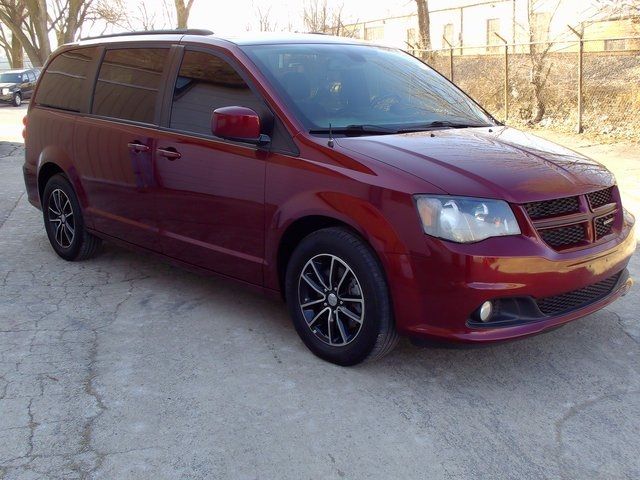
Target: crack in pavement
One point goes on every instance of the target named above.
(573, 411)
(11, 210)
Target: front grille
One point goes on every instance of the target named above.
(570, 222)
(552, 208)
(604, 225)
(563, 237)
(600, 198)
(559, 304)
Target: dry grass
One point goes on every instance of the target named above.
(611, 101)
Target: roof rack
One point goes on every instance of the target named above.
(180, 31)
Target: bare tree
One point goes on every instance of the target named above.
(540, 15)
(265, 24)
(9, 42)
(318, 17)
(134, 16)
(337, 25)
(28, 22)
(183, 10)
(540, 64)
(424, 25)
(66, 17)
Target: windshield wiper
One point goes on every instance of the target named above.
(441, 124)
(353, 130)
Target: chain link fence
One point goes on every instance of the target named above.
(593, 87)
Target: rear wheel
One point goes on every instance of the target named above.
(64, 223)
(17, 100)
(338, 298)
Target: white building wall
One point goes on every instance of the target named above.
(469, 19)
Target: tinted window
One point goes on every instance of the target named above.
(32, 77)
(128, 83)
(206, 82)
(64, 79)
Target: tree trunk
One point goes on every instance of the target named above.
(37, 10)
(182, 12)
(17, 55)
(424, 25)
(72, 25)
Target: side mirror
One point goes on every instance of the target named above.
(240, 124)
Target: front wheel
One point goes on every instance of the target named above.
(338, 298)
(17, 100)
(64, 222)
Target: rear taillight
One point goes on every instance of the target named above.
(24, 130)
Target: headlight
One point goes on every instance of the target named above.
(464, 220)
(5, 91)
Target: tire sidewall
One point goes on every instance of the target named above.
(61, 182)
(17, 100)
(362, 261)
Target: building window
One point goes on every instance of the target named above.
(615, 44)
(374, 33)
(493, 27)
(448, 35)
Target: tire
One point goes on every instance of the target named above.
(17, 100)
(64, 222)
(338, 298)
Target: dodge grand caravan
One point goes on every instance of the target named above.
(351, 179)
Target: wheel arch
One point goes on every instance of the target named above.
(53, 160)
(296, 232)
(46, 171)
(356, 215)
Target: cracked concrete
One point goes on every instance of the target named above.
(124, 367)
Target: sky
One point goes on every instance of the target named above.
(229, 17)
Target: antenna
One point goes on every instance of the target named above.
(330, 143)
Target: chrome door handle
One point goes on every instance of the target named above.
(138, 147)
(169, 153)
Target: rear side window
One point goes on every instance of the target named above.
(207, 82)
(128, 83)
(63, 81)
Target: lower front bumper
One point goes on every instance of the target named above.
(436, 296)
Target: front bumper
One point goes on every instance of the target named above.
(8, 98)
(435, 295)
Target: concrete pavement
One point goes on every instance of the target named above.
(124, 367)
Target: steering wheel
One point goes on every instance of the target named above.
(385, 102)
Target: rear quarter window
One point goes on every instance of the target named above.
(63, 81)
(129, 82)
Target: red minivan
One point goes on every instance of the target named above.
(351, 179)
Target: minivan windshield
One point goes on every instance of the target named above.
(363, 89)
(10, 77)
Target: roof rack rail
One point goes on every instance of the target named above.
(180, 31)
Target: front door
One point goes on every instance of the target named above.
(210, 192)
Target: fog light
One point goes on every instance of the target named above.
(486, 309)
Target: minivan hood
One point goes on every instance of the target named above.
(496, 162)
(7, 85)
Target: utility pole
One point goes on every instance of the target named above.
(580, 55)
(506, 75)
